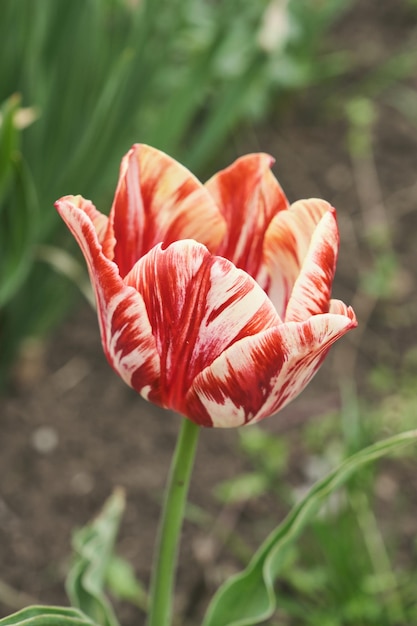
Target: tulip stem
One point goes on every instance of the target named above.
(165, 558)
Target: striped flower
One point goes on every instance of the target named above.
(213, 300)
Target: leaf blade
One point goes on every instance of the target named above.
(47, 616)
(93, 546)
(248, 598)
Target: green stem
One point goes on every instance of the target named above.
(160, 601)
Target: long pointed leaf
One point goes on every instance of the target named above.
(47, 616)
(248, 598)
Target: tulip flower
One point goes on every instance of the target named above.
(213, 300)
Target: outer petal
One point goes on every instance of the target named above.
(248, 196)
(261, 374)
(290, 238)
(198, 305)
(99, 220)
(158, 200)
(125, 329)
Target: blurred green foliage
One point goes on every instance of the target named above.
(81, 81)
(18, 205)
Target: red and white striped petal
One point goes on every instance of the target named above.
(198, 305)
(248, 195)
(158, 200)
(259, 375)
(126, 333)
(312, 289)
(99, 220)
(290, 238)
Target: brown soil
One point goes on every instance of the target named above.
(72, 431)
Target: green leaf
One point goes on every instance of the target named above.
(8, 138)
(93, 546)
(47, 616)
(122, 582)
(18, 214)
(248, 598)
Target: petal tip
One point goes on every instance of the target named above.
(352, 316)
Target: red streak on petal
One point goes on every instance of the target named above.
(312, 289)
(249, 196)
